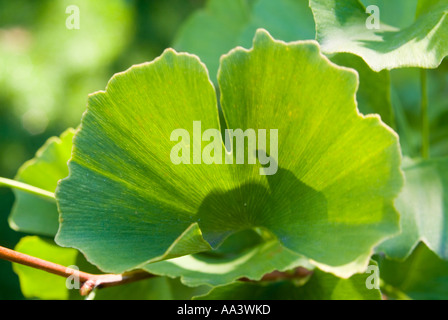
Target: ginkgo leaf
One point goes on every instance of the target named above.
(31, 213)
(344, 26)
(321, 286)
(331, 177)
(423, 205)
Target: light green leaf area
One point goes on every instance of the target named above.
(423, 204)
(37, 284)
(32, 213)
(228, 264)
(334, 172)
(422, 276)
(321, 286)
(223, 25)
(344, 26)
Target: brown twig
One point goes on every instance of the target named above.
(91, 281)
(88, 281)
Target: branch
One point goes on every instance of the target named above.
(92, 281)
(89, 281)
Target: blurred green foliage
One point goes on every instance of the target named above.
(48, 70)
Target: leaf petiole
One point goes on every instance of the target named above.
(27, 188)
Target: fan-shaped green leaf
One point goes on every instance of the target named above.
(330, 199)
